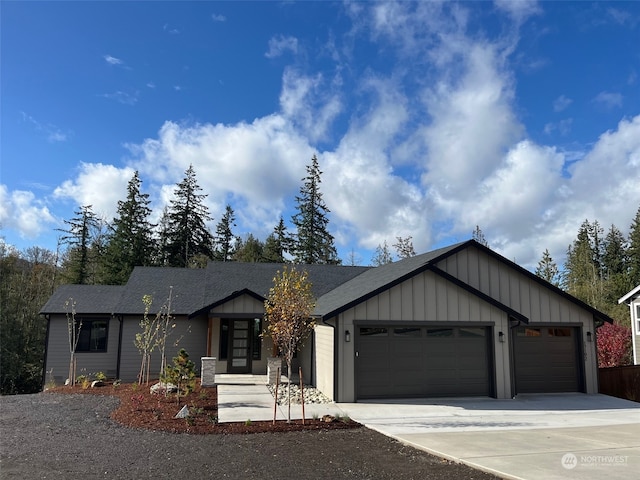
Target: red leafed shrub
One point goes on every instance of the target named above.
(614, 345)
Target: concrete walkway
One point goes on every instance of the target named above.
(246, 397)
(533, 437)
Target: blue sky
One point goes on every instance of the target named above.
(428, 118)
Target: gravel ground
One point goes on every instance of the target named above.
(61, 436)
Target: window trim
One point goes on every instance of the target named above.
(87, 325)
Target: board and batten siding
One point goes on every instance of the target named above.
(58, 353)
(527, 296)
(425, 297)
(323, 367)
(188, 333)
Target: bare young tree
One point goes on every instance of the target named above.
(73, 326)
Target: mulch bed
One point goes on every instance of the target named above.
(139, 408)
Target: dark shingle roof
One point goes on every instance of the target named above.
(192, 290)
(88, 298)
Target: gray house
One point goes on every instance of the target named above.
(458, 321)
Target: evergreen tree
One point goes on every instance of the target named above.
(634, 251)
(582, 273)
(277, 244)
(131, 241)
(404, 247)
(162, 244)
(313, 242)
(250, 250)
(547, 269)
(225, 240)
(187, 235)
(382, 256)
(479, 237)
(79, 237)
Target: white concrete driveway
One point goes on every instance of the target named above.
(533, 437)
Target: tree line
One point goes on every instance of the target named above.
(106, 253)
(598, 270)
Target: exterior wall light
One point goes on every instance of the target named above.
(501, 337)
(589, 339)
(347, 336)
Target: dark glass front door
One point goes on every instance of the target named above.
(239, 358)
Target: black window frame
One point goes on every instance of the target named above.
(87, 342)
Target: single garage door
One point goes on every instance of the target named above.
(546, 359)
(421, 361)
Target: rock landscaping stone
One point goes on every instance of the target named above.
(311, 395)
(183, 413)
(162, 388)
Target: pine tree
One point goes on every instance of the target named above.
(188, 241)
(382, 256)
(634, 251)
(277, 244)
(79, 237)
(225, 240)
(547, 269)
(313, 242)
(131, 241)
(582, 274)
(250, 250)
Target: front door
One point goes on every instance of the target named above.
(239, 346)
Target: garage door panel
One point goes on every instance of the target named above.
(423, 361)
(546, 360)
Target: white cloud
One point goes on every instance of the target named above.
(218, 18)
(98, 185)
(51, 132)
(112, 60)
(21, 211)
(609, 99)
(280, 44)
(122, 97)
(519, 10)
(561, 103)
(309, 103)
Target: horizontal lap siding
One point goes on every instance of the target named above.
(58, 354)
(190, 334)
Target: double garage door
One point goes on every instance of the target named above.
(437, 361)
(422, 361)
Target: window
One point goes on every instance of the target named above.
(528, 332)
(559, 332)
(224, 338)
(256, 347)
(407, 332)
(373, 332)
(440, 332)
(93, 335)
(473, 332)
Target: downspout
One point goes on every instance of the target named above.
(46, 351)
(335, 358)
(121, 328)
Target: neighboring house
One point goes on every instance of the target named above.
(458, 321)
(633, 300)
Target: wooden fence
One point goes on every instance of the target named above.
(622, 382)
